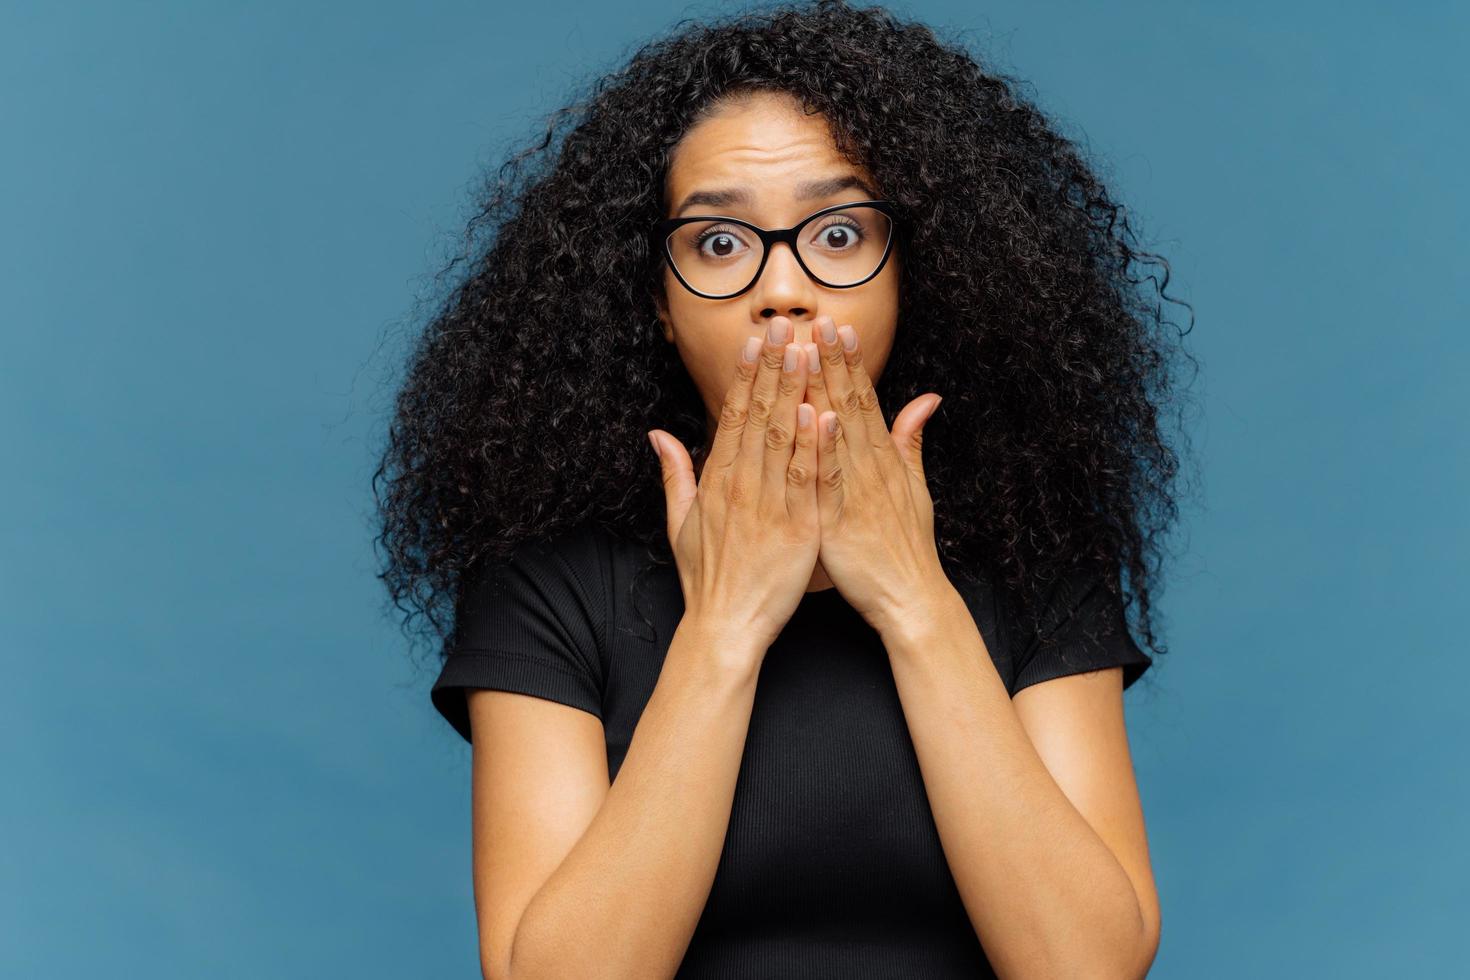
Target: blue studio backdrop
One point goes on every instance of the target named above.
(219, 754)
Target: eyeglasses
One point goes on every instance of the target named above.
(720, 258)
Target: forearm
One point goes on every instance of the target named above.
(626, 900)
(1045, 893)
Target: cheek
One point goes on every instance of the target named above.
(709, 352)
(877, 338)
(712, 364)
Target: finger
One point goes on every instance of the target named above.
(908, 432)
(870, 413)
(842, 395)
(678, 479)
(801, 475)
(816, 382)
(830, 471)
(726, 443)
(751, 455)
(781, 430)
(816, 392)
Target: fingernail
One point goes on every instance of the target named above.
(829, 330)
(789, 362)
(779, 331)
(654, 443)
(752, 349)
(813, 358)
(849, 336)
(804, 415)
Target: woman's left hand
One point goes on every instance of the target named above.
(877, 516)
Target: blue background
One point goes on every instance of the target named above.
(220, 757)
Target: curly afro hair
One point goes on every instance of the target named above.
(1024, 301)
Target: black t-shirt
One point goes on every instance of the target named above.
(832, 864)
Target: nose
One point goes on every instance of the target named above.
(785, 290)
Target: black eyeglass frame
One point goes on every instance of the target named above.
(663, 229)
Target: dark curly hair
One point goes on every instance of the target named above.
(528, 397)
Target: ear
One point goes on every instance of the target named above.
(661, 306)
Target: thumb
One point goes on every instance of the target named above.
(678, 479)
(908, 431)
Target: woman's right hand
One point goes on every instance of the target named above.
(747, 535)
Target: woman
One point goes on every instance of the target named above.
(833, 690)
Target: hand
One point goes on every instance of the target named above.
(745, 538)
(877, 516)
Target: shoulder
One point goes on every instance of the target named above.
(534, 623)
(1078, 625)
(578, 559)
(560, 582)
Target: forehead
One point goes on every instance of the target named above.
(766, 142)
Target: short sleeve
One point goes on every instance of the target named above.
(1090, 633)
(534, 624)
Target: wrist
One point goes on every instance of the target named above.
(927, 610)
(716, 642)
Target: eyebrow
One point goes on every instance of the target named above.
(807, 191)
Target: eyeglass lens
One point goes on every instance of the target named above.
(840, 248)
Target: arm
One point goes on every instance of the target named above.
(1053, 871)
(627, 897)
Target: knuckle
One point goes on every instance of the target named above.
(797, 474)
(732, 416)
(867, 398)
(778, 436)
(848, 402)
(760, 407)
(832, 479)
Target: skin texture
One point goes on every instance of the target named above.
(766, 144)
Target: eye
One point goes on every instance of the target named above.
(840, 233)
(723, 242)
